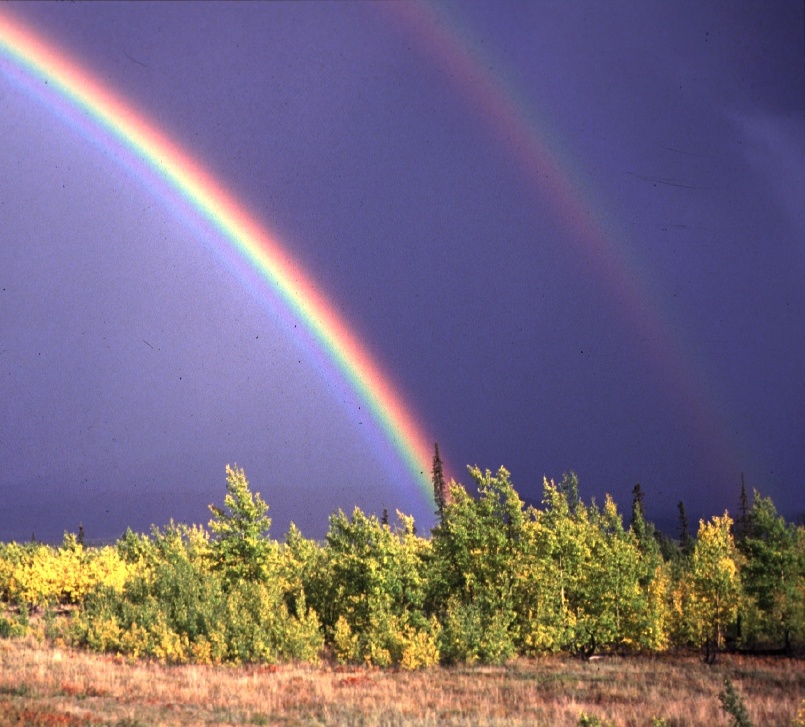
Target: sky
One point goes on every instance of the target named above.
(569, 234)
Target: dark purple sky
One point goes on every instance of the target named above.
(572, 233)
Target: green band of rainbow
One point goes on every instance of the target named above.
(244, 234)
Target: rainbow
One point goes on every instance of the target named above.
(251, 241)
(554, 176)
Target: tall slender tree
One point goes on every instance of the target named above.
(685, 541)
(644, 531)
(743, 521)
(441, 490)
(638, 513)
(569, 487)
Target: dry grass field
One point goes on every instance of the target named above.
(41, 685)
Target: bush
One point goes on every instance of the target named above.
(471, 633)
(181, 612)
(257, 626)
(590, 720)
(733, 704)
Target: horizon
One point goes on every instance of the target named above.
(559, 239)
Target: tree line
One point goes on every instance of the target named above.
(494, 579)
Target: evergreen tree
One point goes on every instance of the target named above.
(773, 575)
(733, 704)
(644, 531)
(685, 540)
(638, 513)
(569, 487)
(441, 490)
(743, 522)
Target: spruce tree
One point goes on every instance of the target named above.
(638, 513)
(742, 522)
(685, 541)
(569, 487)
(644, 531)
(441, 490)
(733, 704)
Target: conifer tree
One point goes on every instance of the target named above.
(644, 531)
(742, 523)
(569, 487)
(441, 490)
(733, 704)
(638, 514)
(773, 574)
(685, 541)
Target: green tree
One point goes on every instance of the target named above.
(569, 487)
(476, 556)
(305, 570)
(586, 583)
(733, 704)
(240, 548)
(377, 592)
(644, 531)
(638, 513)
(557, 546)
(611, 599)
(773, 575)
(714, 583)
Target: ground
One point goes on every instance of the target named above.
(44, 685)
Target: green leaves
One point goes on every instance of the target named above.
(495, 579)
(377, 590)
(241, 549)
(773, 576)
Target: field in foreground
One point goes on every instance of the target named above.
(42, 685)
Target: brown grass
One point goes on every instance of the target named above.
(42, 685)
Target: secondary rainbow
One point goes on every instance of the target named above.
(557, 177)
(43, 61)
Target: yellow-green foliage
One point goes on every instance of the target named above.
(40, 574)
(800, 720)
(495, 579)
(707, 597)
(345, 643)
(389, 640)
(179, 608)
(373, 601)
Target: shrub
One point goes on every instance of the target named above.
(800, 720)
(590, 720)
(471, 633)
(733, 704)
